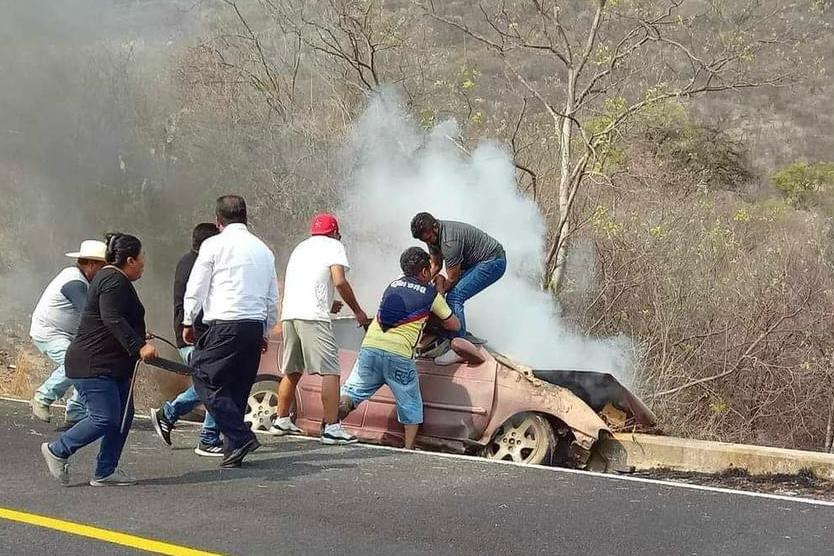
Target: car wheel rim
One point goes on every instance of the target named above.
(260, 410)
(521, 439)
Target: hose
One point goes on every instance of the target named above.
(160, 338)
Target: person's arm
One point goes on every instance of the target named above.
(114, 302)
(271, 303)
(442, 310)
(196, 291)
(452, 275)
(76, 293)
(337, 274)
(180, 281)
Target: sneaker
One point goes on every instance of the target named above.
(116, 478)
(58, 467)
(209, 450)
(282, 426)
(448, 358)
(235, 459)
(41, 411)
(335, 434)
(161, 425)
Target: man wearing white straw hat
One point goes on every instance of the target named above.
(54, 323)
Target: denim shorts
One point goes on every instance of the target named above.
(374, 368)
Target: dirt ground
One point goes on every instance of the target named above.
(23, 368)
(804, 485)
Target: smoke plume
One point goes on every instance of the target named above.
(395, 169)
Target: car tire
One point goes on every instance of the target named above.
(262, 405)
(523, 438)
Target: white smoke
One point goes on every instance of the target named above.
(394, 169)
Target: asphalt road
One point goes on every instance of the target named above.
(299, 497)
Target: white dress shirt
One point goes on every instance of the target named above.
(233, 279)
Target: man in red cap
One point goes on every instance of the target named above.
(316, 267)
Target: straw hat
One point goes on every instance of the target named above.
(90, 249)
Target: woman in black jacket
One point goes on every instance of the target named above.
(100, 363)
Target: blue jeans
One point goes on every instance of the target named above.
(187, 401)
(472, 282)
(375, 367)
(57, 384)
(105, 399)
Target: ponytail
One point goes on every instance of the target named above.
(120, 247)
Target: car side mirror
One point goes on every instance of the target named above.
(467, 351)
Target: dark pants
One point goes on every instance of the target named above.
(105, 399)
(225, 365)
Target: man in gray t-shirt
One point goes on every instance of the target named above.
(474, 260)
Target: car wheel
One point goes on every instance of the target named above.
(262, 405)
(523, 438)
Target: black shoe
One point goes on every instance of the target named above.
(235, 458)
(161, 425)
(209, 450)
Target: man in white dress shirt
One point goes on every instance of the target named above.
(233, 283)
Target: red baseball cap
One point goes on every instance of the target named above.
(324, 224)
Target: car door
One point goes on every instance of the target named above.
(348, 337)
(457, 401)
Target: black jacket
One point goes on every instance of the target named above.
(112, 329)
(181, 275)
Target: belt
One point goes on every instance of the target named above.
(241, 321)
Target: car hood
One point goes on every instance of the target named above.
(598, 388)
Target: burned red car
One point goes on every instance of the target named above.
(488, 405)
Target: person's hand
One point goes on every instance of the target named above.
(336, 307)
(264, 344)
(362, 319)
(188, 335)
(148, 351)
(440, 283)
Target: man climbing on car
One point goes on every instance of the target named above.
(387, 352)
(474, 260)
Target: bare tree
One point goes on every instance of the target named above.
(593, 66)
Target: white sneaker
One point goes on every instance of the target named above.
(283, 426)
(116, 478)
(335, 434)
(448, 358)
(58, 467)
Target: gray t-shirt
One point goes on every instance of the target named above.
(465, 245)
(59, 309)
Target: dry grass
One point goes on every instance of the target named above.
(19, 379)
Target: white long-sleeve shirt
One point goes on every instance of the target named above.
(233, 279)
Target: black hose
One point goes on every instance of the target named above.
(155, 337)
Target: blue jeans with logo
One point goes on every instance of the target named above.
(57, 384)
(374, 368)
(187, 401)
(472, 282)
(105, 399)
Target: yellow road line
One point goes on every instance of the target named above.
(148, 545)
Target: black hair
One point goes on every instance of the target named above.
(120, 247)
(202, 232)
(422, 222)
(413, 260)
(231, 209)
